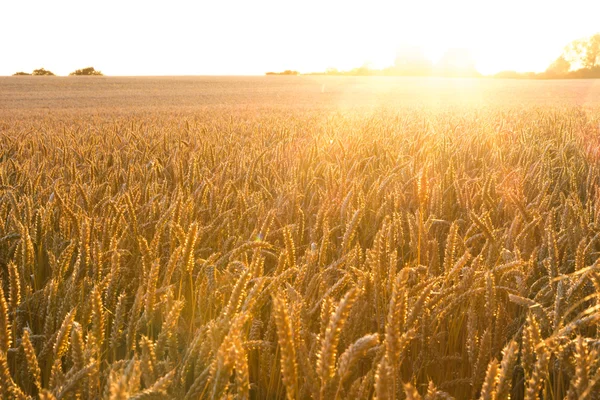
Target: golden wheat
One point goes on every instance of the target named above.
(270, 253)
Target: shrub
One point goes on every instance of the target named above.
(42, 72)
(89, 71)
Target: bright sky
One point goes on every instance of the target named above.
(181, 37)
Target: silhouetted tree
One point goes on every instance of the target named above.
(42, 72)
(89, 71)
(21, 73)
(560, 66)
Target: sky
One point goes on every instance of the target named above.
(241, 37)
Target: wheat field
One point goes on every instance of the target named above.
(257, 238)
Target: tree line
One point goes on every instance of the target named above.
(89, 71)
(579, 59)
(286, 72)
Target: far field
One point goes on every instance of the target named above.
(299, 237)
(281, 92)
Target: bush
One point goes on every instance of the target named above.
(21, 73)
(286, 72)
(42, 72)
(89, 71)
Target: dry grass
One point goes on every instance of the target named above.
(271, 253)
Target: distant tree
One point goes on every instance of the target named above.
(410, 60)
(516, 75)
(560, 66)
(42, 72)
(584, 53)
(286, 72)
(507, 75)
(21, 73)
(456, 62)
(592, 52)
(365, 70)
(89, 71)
